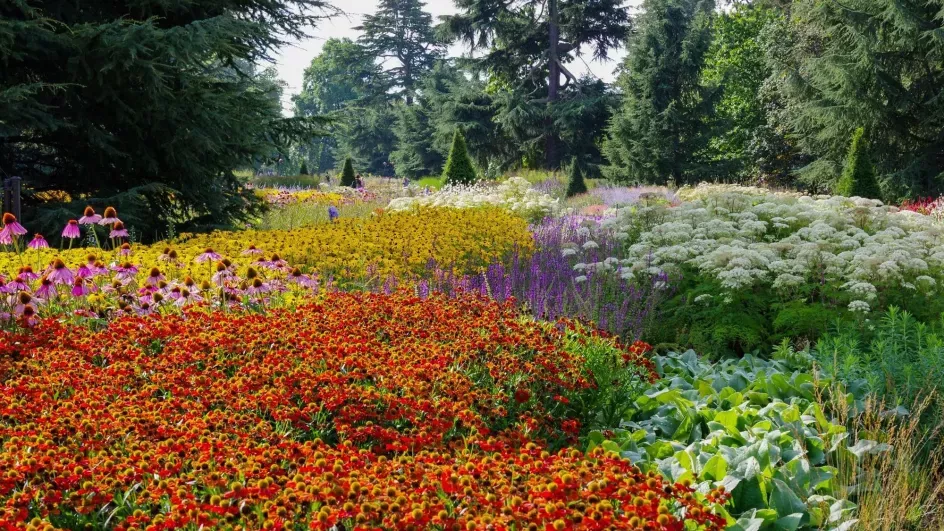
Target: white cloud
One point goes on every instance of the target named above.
(292, 59)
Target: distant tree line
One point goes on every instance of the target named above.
(770, 91)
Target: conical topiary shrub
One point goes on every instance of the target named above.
(304, 169)
(575, 183)
(459, 169)
(347, 174)
(858, 175)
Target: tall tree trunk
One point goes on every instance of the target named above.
(553, 84)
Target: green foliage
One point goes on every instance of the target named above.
(400, 33)
(91, 104)
(366, 135)
(347, 174)
(876, 64)
(615, 383)
(304, 169)
(858, 175)
(743, 145)
(575, 182)
(900, 358)
(459, 169)
(658, 133)
(526, 46)
(344, 75)
(752, 426)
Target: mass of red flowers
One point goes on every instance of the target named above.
(360, 411)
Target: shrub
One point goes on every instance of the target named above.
(575, 182)
(858, 175)
(459, 169)
(304, 169)
(347, 174)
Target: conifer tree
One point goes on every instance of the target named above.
(347, 174)
(528, 44)
(858, 174)
(304, 169)
(657, 132)
(401, 34)
(147, 103)
(459, 169)
(575, 182)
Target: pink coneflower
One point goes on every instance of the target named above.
(125, 249)
(46, 290)
(125, 271)
(302, 279)
(118, 231)
(257, 287)
(185, 297)
(79, 288)
(154, 277)
(252, 250)
(207, 255)
(28, 316)
(59, 273)
(110, 217)
(88, 269)
(38, 242)
(89, 217)
(27, 273)
(22, 300)
(11, 229)
(72, 230)
(222, 274)
(18, 284)
(275, 262)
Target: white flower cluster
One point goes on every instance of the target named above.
(745, 237)
(515, 194)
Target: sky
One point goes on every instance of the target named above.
(293, 58)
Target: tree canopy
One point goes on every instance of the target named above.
(148, 103)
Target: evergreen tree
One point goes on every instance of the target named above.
(658, 132)
(147, 103)
(459, 169)
(575, 182)
(528, 44)
(347, 174)
(343, 76)
(877, 64)
(304, 168)
(366, 135)
(858, 175)
(400, 34)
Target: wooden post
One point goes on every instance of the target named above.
(11, 196)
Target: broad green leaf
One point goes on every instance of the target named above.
(784, 500)
(791, 522)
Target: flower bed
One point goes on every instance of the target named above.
(301, 418)
(514, 195)
(254, 266)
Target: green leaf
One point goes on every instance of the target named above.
(715, 469)
(784, 500)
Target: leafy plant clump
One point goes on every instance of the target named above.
(459, 168)
(858, 176)
(347, 174)
(755, 428)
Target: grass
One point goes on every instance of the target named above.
(434, 183)
(286, 181)
(306, 214)
(902, 488)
